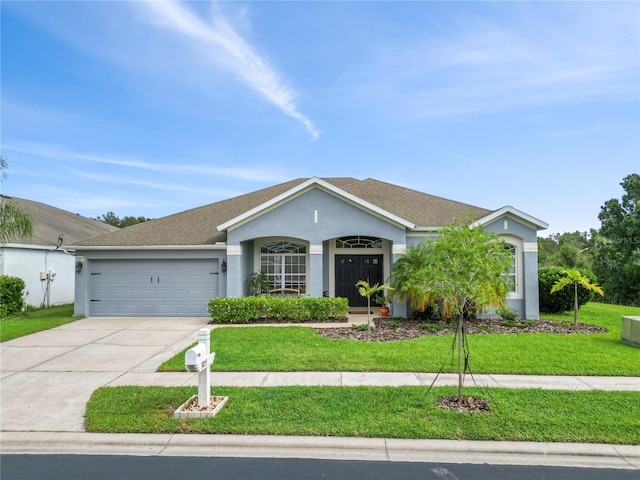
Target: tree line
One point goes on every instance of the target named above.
(611, 253)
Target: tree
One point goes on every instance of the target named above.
(576, 279)
(463, 269)
(561, 301)
(568, 250)
(111, 218)
(15, 223)
(617, 262)
(407, 276)
(368, 291)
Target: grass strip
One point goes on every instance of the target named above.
(392, 412)
(300, 348)
(35, 320)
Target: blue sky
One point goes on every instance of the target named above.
(152, 108)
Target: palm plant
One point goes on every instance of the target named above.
(15, 223)
(408, 276)
(368, 291)
(573, 277)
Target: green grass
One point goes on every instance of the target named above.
(302, 349)
(391, 412)
(33, 321)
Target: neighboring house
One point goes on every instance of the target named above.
(319, 236)
(47, 269)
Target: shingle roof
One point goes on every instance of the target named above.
(198, 226)
(50, 223)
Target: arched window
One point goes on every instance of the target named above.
(358, 241)
(284, 263)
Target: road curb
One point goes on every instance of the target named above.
(335, 448)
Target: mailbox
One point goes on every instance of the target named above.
(196, 357)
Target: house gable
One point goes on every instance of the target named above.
(314, 183)
(316, 215)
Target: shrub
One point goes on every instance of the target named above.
(277, 309)
(257, 284)
(429, 314)
(561, 301)
(10, 295)
(508, 313)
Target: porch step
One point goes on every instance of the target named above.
(360, 310)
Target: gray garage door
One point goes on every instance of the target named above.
(152, 287)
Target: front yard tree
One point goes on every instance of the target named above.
(368, 291)
(463, 269)
(574, 278)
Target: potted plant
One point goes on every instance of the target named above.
(384, 300)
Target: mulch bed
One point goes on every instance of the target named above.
(387, 330)
(469, 404)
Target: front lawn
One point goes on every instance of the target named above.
(35, 320)
(302, 349)
(390, 412)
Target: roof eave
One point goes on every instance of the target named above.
(533, 222)
(147, 247)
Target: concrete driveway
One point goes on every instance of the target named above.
(47, 378)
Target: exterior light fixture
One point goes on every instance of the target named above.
(223, 267)
(78, 267)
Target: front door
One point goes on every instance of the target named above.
(352, 268)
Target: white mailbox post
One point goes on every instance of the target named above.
(199, 359)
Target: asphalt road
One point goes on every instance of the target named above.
(111, 467)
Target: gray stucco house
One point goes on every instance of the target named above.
(319, 236)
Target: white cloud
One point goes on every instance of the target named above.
(249, 173)
(223, 44)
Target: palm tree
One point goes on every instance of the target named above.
(15, 223)
(407, 276)
(368, 291)
(573, 277)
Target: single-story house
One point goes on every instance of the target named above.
(48, 269)
(316, 235)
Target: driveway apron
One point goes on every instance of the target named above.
(47, 378)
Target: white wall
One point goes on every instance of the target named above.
(27, 261)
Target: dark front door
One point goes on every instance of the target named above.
(352, 268)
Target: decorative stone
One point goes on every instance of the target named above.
(190, 408)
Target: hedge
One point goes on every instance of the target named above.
(10, 295)
(561, 301)
(277, 309)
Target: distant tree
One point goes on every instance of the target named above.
(617, 262)
(15, 223)
(568, 250)
(463, 268)
(575, 279)
(111, 218)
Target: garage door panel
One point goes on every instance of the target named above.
(153, 287)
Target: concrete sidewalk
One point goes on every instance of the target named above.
(382, 379)
(47, 379)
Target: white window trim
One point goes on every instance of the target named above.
(257, 245)
(518, 245)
